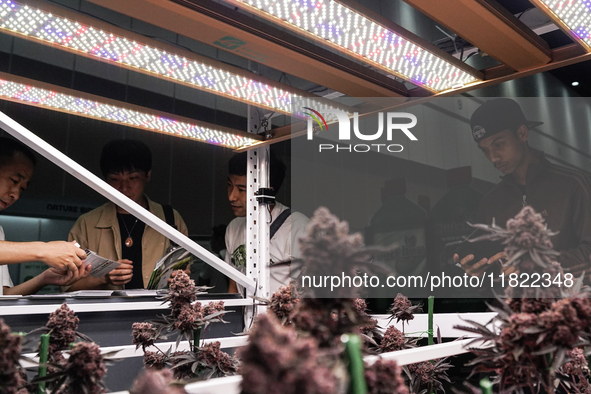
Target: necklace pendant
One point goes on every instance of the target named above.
(129, 242)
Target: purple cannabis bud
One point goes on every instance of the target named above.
(182, 289)
(84, 370)
(63, 318)
(211, 356)
(528, 231)
(575, 373)
(154, 360)
(10, 348)
(213, 307)
(384, 377)
(12, 380)
(86, 361)
(427, 376)
(276, 361)
(368, 329)
(188, 318)
(181, 369)
(143, 334)
(393, 340)
(326, 319)
(62, 325)
(423, 371)
(327, 249)
(283, 304)
(203, 363)
(403, 310)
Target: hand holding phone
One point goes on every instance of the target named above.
(476, 257)
(478, 267)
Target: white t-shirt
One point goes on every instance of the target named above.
(4, 274)
(280, 247)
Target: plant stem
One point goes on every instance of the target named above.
(353, 352)
(430, 302)
(549, 370)
(43, 356)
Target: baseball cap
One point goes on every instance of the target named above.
(497, 115)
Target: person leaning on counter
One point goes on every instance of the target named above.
(114, 233)
(65, 259)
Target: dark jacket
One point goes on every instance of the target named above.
(563, 197)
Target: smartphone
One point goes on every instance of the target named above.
(480, 249)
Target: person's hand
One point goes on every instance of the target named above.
(63, 255)
(122, 274)
(479, 267)
(173, 273)
(509, 270)
(53, 276)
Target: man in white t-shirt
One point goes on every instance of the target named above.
(17, 163)
(285, 225)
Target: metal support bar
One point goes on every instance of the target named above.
(118, 198)
(257, 232)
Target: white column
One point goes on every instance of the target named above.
(257, 228)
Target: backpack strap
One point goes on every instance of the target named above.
(276, 225)
(169, 216)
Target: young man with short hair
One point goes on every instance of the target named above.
(114, 233)
(17, 163)
(285, 225)
(561, 195)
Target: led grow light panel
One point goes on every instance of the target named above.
(97, 43)
(54, 100)
(342, 27)
(574, 16)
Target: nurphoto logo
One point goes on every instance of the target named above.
(392, 124)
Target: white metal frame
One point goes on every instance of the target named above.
(100, 186)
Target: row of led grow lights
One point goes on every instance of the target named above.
(53, 29)
(574, 14)
(51, 99)
(354, 33)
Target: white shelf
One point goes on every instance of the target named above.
(11, 310)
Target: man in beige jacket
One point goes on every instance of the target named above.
(115, 234)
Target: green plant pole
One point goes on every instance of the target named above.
(486, 386)
(43, 356)
(430, 302)
(196, 338)
(353, 352)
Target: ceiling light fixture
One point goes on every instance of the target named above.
(575, 83)
(39, 94)
(573, 16)
(349, 31)
(188, 69)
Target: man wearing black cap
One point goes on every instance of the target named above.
(562, 195)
